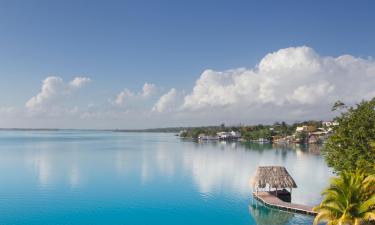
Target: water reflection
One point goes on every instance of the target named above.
(232, 168)
(264, 215)
(214, 167)
(310, 148)
(42, 165)
(50, 168)
(257, 146)
(213, 172)
(74, 176)
(136, 168)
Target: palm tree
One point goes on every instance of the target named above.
(350, 199)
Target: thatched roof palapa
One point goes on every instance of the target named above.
(272, 177)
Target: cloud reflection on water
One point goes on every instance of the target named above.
(52, 167)
(214, 167)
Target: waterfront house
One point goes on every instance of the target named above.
(300, 129)
(223, 135)
(235, 134)
(232, 135)
(328, 125)
(306, 128)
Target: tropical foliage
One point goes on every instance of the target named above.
(349, 148)
(350, 199)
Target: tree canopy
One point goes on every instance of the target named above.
(350, 146)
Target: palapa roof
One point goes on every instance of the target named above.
(273, 177)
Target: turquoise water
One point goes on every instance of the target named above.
(82, 177)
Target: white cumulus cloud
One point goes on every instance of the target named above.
(53, 90)
(78, 82)
(166, 101)
(127, 97)
(288, 82)
(122, 96)
(148, 90)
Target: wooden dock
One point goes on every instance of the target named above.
(274, 202)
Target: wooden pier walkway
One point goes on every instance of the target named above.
(274, 202)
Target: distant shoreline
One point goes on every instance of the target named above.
(153, 130)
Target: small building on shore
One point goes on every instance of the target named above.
(270, 185)
(275, 180)
(306, 128)
(232, 135)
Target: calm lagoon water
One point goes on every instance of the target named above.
(85, 177)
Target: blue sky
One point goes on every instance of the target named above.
(125, 44)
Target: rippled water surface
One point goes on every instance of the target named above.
(82, 177)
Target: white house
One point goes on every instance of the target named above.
(229, 135)
(235, 134)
